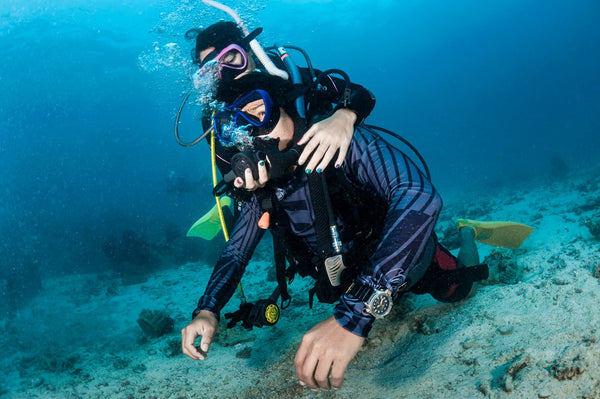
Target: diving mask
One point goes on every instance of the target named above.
(228, 63)
(255, 114)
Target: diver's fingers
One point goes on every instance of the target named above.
(263, 174)
(188, 336)
(308, 371)
(251, 184)
(309, 134)
(326, 159)
(317, 157)
(305, 363)
(337, 372)
(205, 344)
(341, 156)
(307, 151)
(299, 362)
(322, 373)
(238, 182)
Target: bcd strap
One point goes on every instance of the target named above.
(316, 185)
(280, 265)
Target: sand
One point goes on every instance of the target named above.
(531, 331)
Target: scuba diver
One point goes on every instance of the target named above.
(223, 51)
(363, 231)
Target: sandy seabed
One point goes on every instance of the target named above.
(531, 331)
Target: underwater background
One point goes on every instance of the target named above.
(497, 96)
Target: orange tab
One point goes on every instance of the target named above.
(264, 221)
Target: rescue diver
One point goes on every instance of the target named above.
(224, 45)
(386, 227)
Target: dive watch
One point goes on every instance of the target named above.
(378, 302)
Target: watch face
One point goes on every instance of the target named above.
(380, 304)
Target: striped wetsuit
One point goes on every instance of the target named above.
(413, 208)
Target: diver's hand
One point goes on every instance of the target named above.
(325, 138)
(204, 325)
(248, 181)
(326, 348)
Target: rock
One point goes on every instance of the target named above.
(572, 364)
(120, 364)
(244, 353)
(483, 387)
(508, 384)
(155, 323)
(513, 373)
(596, 270)
(503, 267)
(36, 382)
(140, 368)
(505, 330)
(559, 281)
(468, 344)
(593, 225)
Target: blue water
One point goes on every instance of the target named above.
(489, 92)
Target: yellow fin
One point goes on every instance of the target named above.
(498, 234)
(209, 225)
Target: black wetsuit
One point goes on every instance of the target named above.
(409, 209)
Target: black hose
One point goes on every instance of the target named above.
(179, 141)
(407, 143)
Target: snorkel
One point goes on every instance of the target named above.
(254, 45)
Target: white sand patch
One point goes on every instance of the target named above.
(537, 338)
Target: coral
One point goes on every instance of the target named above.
(58, 363)
(173, 348)
(155, 323)
(572, 364)
(508, 375)
(591, 204)
(593, 225)
(503, 267)
(120, 363)
(449, 236)
(596, 269)
(514, 372)
(422, 325)
(244, 353)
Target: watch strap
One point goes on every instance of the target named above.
(360, 291)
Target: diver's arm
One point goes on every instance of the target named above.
(332, 135)
(331, 94)
(361, 102)
(221, 285)
(327, 138)
(233, 260)
(414, 205)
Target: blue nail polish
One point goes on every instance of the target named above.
(337, 165)
(308, 171)
(261, 163)
(319, 170)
